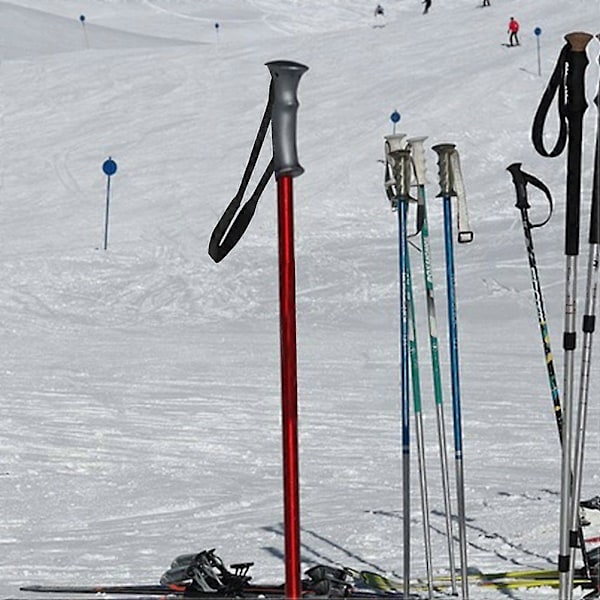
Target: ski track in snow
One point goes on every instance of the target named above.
(140, 412)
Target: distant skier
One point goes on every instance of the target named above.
(486, 3)
(513, 30)
(379, 16)
(427, 4)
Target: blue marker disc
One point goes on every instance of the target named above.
(216, 26)
(82, 18)
(395, 117)
(538, 31)
(109, 167)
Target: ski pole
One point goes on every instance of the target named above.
(520, 180)
(416, 389)
(447, 190)
(398, 162)
(281, 112)
(417, 149)
(568, 80)
(589, 322)
(286, 76)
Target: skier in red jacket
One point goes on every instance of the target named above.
(513, 30)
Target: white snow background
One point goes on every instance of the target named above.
(140, 397)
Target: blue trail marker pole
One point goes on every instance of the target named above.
(394, 118)
(85, 36)
(217, 27)
(110, 168)
(538, 32)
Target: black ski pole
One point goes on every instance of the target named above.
(521, 180)
(568, 80)
(588, 327)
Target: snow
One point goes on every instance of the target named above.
(140, 413)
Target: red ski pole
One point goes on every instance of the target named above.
(285, 78)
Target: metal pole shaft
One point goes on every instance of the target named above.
(420, 437)
(437, 387)
(287, 299)
(404, 386)
(456, 400)
(566, 471)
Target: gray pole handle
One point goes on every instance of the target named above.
(444, 152)
(285, 76)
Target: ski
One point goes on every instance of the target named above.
(500, 579)
(145, 589)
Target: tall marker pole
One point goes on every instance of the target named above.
(538, 32)
(110, 168)
(285, 78)
(86, 41)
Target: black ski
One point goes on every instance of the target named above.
(145, 589)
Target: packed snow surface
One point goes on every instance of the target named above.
(140, 412)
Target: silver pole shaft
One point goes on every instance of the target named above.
(565, 592)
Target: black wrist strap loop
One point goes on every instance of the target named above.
(556, 85)
(234, 222)
(520, 180)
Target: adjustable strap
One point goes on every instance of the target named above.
(556, 85)
(521, 179)
(234, 222)
(465, 234)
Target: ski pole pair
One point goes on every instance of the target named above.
(403, 157)
(568, 83)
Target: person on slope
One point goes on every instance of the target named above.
(379, 11)
(486, 3)
(513, 30)
(427, 4)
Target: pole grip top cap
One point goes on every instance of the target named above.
(285, 77)
(578, 40)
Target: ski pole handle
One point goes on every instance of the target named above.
(394, 142)
(578, 61)
(417, 148)
(594, 237)
(399, 161)
(518, 178)
(444, 152)
(285, 76)
(575, 107)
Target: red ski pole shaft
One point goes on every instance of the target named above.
(289, 395)
(285, 78)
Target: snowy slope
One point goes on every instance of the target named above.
(140, 412)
